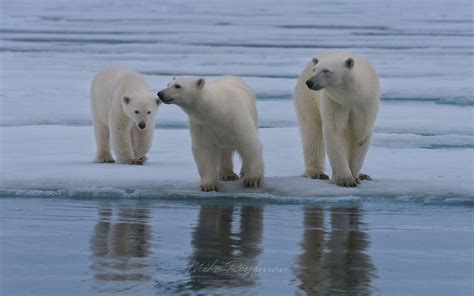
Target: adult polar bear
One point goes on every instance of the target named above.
(123, 110)
(222, 119)
(336, 99)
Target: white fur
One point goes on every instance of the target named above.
(115, 120)
(338, 117)
(223, 119)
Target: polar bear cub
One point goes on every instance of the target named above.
(337, 98)
(123, 109)
(223, 119)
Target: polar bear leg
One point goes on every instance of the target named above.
(206, 157)
(336, 146)
(357, 156)
(335, 120)
(313, 151)
(252, 162)
(226, 168)
(102, 138)
(141, 142)
(122, 145)
(206, 161)
(313, 143)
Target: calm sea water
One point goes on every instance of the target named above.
(150, 247)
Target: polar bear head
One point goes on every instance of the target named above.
(141, 108)
(182, 91)
(330, 71)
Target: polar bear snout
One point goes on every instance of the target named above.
(313, 86)
(141, 124)
(163, 98)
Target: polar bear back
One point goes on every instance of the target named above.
(368, 81)
(233, 91)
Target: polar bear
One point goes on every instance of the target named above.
(123, 110)
(337, 99)
(222, 119)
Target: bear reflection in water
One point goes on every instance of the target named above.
(224, 257)
(120, 246)
(227, 252)
(334, 262)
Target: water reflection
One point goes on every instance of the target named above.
(120, 246)
(334, 263)
(226, 246)
(223, 257)
(312, 246)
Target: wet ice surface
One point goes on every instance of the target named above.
(60, 164)
(140, 247)
(94, 229)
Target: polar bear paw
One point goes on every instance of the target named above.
(229, 177)
(345, 181)
(208, 187)
(104, 160)
(316, 175)
(134, 162)
(365, 177)
(143, 158)
(253, 182)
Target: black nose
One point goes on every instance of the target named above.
(309, 83)
(142, 125)
(160, 94)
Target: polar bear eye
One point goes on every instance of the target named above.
(177, 86)
(326, 71)
(149, 112)
(136, 112)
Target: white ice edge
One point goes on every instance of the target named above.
(58, 161)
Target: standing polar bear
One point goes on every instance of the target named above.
(222, 119)
(123, 109)
(336, 99)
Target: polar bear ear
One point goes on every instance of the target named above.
(126, 100)
(200, 82)
(349, 63)
(315, 61)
